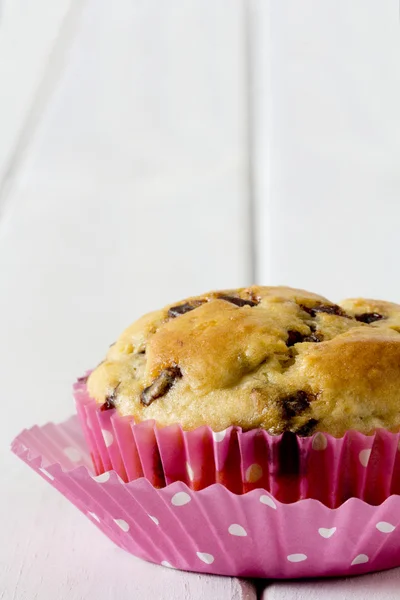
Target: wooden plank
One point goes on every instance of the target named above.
(28, 34)
(382, 586)
(133, 192)
(332, 151)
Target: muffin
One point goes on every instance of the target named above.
(278, 363)
(251, 433)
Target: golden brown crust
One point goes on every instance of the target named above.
(272, 357)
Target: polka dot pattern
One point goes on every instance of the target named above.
(256, 459)
(385, 527)
(73, 454)
(107, 437)
(268, 501)
(326, 533)
(102, 478)
(319, 442)
(295, 558)
(154, 519)
(180, 499)
(122, 524)
(206, 557)
(300, 549)
(364, 457)
(253, 473)
(218, 436)
(216, 531)
(360, 559)
(237, 530)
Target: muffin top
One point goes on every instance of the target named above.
(273, 357)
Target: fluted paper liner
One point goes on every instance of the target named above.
(215, 530)
(291, 468)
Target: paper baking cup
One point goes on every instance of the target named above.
(215, 530)
(291, 468)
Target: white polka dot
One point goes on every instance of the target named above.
(360, 559)
(189, 472)
(238, 530)
(94, 516)
(253, 473)
(122, 524)
(364, 456)
(154, 519)
(165, 563)
(326, 533)
(49, 475)
(73, 454)
(205, 557)
(264, 499)
(294, 558)
(102, 478)
(219, 435)
(319, 442)
(385, 527)
(108, 437)
(180, 499)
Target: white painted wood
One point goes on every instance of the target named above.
(28, 33)
(382, 586)
(330, 158)
(133, 191)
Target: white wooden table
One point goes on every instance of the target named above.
(149, 152)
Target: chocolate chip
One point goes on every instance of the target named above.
(83, 379)
(288, 454)
(160, 386)
(295, 404)
(181, 309)
(295, 337)
(330, 309)
(307, 429)
(238, 301)
(369, 317)
(108, 404)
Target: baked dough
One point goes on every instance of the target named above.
(272, 357)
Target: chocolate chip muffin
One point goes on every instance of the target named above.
(277, 358)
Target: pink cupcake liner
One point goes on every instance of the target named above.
(214, 530)
(291, 468)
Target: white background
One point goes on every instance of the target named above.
(150, 151)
